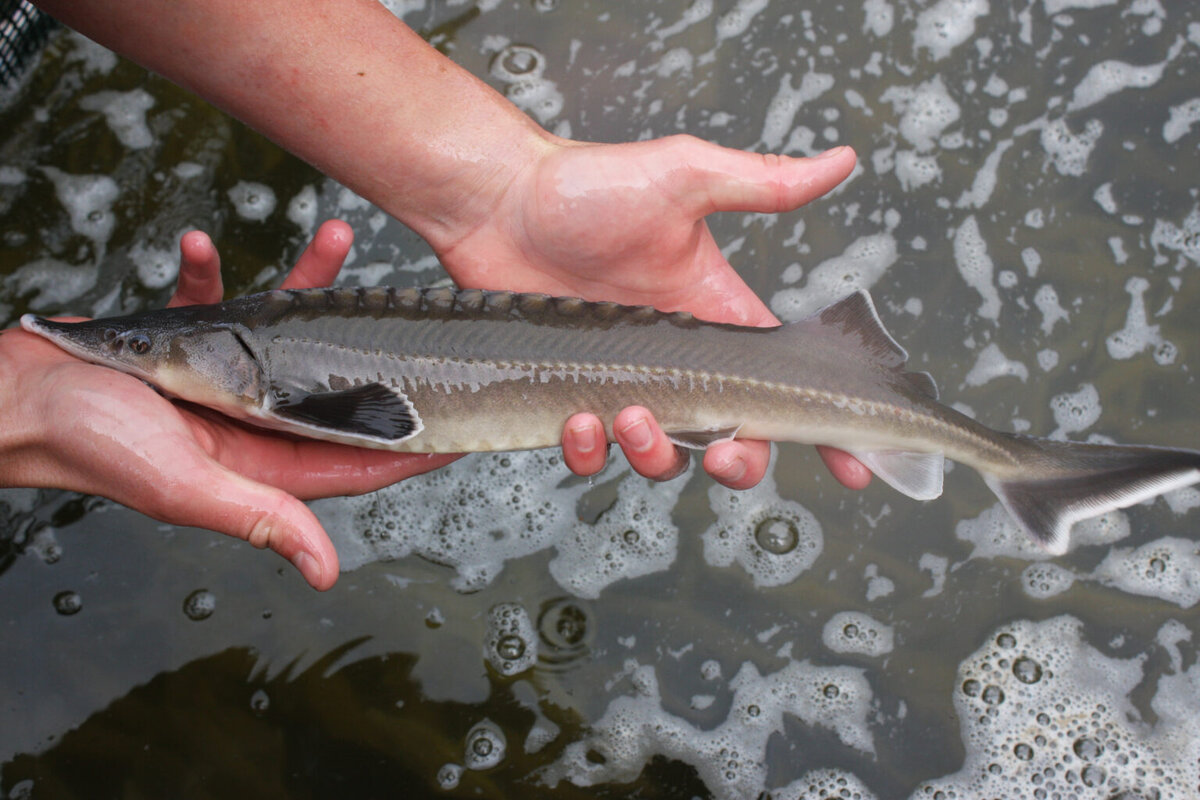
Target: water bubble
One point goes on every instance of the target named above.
(831, 691)
(753, 710)
(777, 535)
(1023, 752)
(631, 537)
(518, 62)
(1027, 670)
(260, 701)
(1093, 775)
(486, 746)
(1087, 749)
(993, 695)
(971, 687)
(435, 619)
(510, 647)
(449, 775)
(68, 603)
(564, 630)
(1006, 640)
(200, 604)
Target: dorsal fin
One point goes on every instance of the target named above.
(855, 316)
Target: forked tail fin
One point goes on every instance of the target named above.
(1061, 483)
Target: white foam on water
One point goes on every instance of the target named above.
(1182, 239)
(157, 267)
(252, 201)
(862, 264)
(302, 209)
(55, 285)
(1168, 569)
(510, 643)
(985, 179)
(1182, 118)
(947, 24)
(857, 633)
(1044, 714)
(736, 20)
(975, 266)
(1058, 6)
(472, 516)
(1075, 411)
(1046, 301)
(825, 784)
(731, 758)
(925, 111)
(1112, 76)
(878, 17)
(914, 170)
(1047, 359)
(699, 10)
(877, 585)
(125, 113)
(634, 537)
(1104, 198)
(781, 111)
(1046, 580)
(774, 540)
(88, 200)
(1139, 335)
(1070, 151)
(936, 566)
(992, 364)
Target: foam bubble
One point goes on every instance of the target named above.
(1046, 301)
(926, 111)
(55, 285)
(485, 746)
(985, 179)
(773, 539)
(157, 267)
(1075, 411)
(736, 20)
(1168, 569)
(1070, 151)
(914, 170)
(1138, 335)
(862, 264)
(730, 759)
(1042, 581)
(879, 16)
(1183, 239)
(88, 200)
(252, 201)
(1183, 117)
(302, 209)
(992, 364)
(781, 111)
(824, 784)
(936, 566)
(856, 632)
(125, 113)
(1043, 714)
(634, 537)
(947, 24)
(510, 644)
(1110, 77)
(975, 266)
(1058, 6)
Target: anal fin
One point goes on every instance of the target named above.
(917, 475)
(698, 440)
(374, 413)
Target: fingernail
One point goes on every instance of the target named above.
(308, 567)
(637, 435)
(583, 438)
(830, 153)
(732, 471)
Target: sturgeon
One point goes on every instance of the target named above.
(444, 370)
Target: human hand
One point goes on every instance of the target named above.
(78, 426)
(626, 223)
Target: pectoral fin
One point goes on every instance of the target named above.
(375, 413)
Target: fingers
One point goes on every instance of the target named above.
(320, 262)
(649, 451)
(737, 463)
(585, 447)
(721, 179)
(225, 502)
(199, 271)
(848, 470)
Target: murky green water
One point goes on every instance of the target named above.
(1027, 217)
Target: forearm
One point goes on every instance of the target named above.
(344, 85)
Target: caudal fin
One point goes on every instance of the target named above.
(1061, 483)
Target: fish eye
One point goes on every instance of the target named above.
(139, 343)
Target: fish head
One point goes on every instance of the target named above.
(195, 360)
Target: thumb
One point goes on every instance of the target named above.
(262, 515)
(723, 179)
